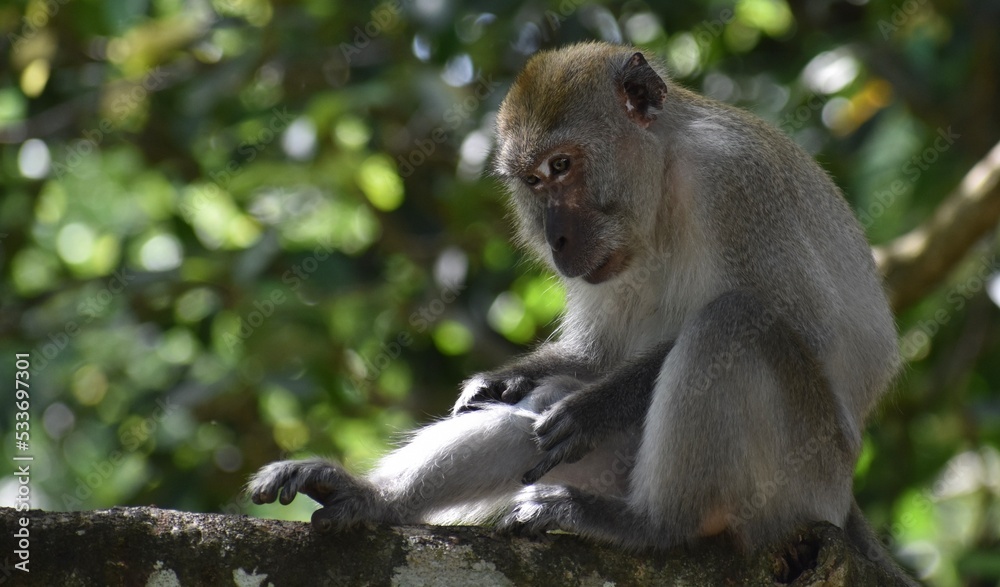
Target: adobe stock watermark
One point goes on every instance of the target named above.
(384, 16)
(453, 117)
(420, 320)
(237, 506)
(694, 44)
(75, 151)
(747, 339)
(956, 298)
(797, 118)
(89, 309)
(264, 308)
(922, 161)
(710, 29)
(611, 477)
(249, 150)
(556, 17)
(913, 168)
(38, 20)
(791, 464)
(901, 13)
(922, 503)
(240, 504)
(634, 281)
(631, 284)
(131, 439)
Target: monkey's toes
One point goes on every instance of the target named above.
(283, 480)
(536, 510)
(266, 483)
(519, 523)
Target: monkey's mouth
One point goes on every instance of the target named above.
(613, 265)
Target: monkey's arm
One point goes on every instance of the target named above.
(514, 381)
(575, 425)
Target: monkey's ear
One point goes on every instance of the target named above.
(642, 90)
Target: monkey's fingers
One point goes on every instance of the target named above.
(553, 429)
(498, 387)
(481, 391)
(469, 407)
(517, 388)
(548, 440)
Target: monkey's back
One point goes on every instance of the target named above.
(785, 230)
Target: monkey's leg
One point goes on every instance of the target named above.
(466, 460)
(469, 459)
(743, 435)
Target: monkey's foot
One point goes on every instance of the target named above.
(349, 510)
(283, 480)
(538, 509)
(347, 500)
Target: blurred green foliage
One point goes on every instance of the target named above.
(234, 230)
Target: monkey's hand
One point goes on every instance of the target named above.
(567, 432)
(347, 501)
(503, 386)
(616, 402)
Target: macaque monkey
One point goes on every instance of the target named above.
(726, 334)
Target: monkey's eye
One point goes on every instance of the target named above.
(531, 180)
(560, 165)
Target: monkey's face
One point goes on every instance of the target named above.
(574, 144)
(563, 219)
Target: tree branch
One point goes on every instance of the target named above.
(914, 263)
(149, 546)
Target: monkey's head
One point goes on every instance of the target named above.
(576, 147)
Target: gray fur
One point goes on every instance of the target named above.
(717, 381)
(438, 474)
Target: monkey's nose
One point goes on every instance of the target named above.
(558, 232)
(558, 243)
